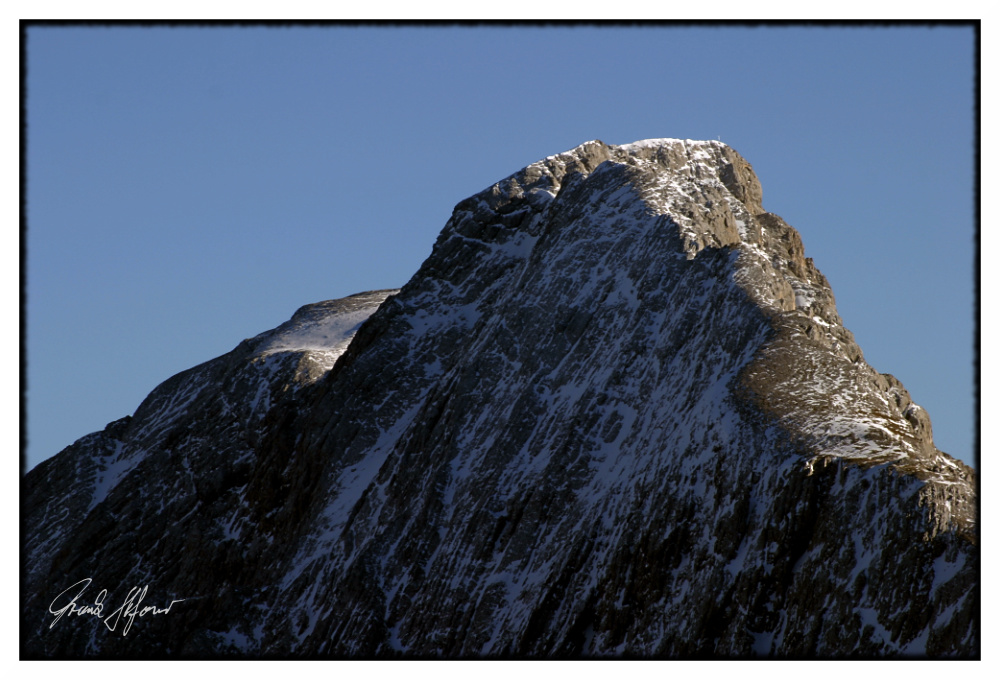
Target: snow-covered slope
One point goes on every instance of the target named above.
(614, 413)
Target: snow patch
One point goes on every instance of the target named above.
(329, 333)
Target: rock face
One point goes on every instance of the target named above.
(614, 414)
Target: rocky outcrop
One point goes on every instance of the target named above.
(615, 413)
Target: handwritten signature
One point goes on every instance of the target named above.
(128, 610)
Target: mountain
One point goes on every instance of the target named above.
(614, 414)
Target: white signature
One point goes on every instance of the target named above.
(128, 610)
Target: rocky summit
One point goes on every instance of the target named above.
(614, 414)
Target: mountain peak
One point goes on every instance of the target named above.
(614, 413)
(686, 160)
(708, 196)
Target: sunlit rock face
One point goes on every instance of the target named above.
(614, 414)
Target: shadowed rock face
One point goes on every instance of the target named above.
(615, 413)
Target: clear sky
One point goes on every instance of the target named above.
(191, 187)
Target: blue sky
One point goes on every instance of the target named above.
(191, 187)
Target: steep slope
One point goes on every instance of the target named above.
(614, 413)
(153, 491)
